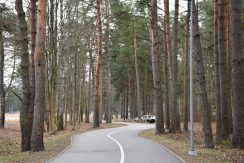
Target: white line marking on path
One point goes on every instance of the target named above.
(120, 146)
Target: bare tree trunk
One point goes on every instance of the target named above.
(205, 109)
(169, 57)
(216, 51)
(138, 91)
(186, 69)
(38, 128)
(109, 92)
(237, 74)
(25, 123)
(175, 122)
(53, 70)
(224, 93)
(228, 51)
(61, 109)
(2, 91)
(33, 46)
(90, 92)
(101, 108)
(168, 35)
(166, 78)
(145, 92)
(66, 103)
(155, 69)
(166, 90)
(98, 67)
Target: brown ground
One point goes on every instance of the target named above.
(10, 143)
(179, 144)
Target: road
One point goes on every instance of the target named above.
(116, 145)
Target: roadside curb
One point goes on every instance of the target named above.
(171, 152)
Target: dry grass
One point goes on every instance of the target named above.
(10, 143)
(179, 144)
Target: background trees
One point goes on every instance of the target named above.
(144, 69)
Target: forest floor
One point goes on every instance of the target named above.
(10, 142)
(179, 144)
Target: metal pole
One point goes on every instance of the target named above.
(191, 152)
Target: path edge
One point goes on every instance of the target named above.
(56, 155)
(168, 150)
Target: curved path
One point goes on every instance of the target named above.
(116, 145)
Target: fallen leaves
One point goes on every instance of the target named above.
(179, 143)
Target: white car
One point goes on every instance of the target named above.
(148, 118)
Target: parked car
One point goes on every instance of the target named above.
(148, 118)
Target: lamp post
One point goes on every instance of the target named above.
(192, 151)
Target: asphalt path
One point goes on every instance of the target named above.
(116, 145)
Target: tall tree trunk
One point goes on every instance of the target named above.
(216, 51)
(224, 93)
(145, 92)
(33, 46)
(237, 74)
(60, 122)
(38, 128)
(25, 121)
(169, 57)
(90, 92)
(138, 91)
(98, 67)
(155, 69)
(127, 103)
(205, 109)
(2, 91)
(175, 122)
(101, 108)
(228, 50)
(54, 67)
(186, 69)
(166, 78)
(168, 34)
(109, 93)
(66, 99)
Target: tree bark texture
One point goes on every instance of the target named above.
(39, 108)
(217, 82)
(90, 89)
(138, 90)
(224, 93)
(98, 67)
(237, 74)
(175, 122)
(166, 64)
(2, 91)
(63, 95)
(33, 46)
(109, 87)
(155, 69)
(228, 52)
(166, 86)
(25, 117)
(205, 109)
(186, 69)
